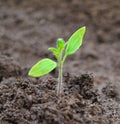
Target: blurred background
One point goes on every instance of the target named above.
(29, 27)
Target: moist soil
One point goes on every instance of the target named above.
(91, 78)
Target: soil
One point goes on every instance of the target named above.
(91, 90)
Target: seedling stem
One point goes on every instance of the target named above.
(60, 76)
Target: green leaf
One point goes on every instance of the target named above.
(54, 50)
(60, 44)
(75, 41)
(42, 67)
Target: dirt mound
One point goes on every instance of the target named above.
(28, 101)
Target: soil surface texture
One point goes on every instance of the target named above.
(91, 78)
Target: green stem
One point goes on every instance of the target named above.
(60, 76)
(65, 56)
(59, 87)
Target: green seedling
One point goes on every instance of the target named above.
(61, 52)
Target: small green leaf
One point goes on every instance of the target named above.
(75, 41)
(42, 67)
(54, 50)
(60, 44)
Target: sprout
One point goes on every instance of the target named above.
(63, 50)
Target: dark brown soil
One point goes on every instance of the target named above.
(91, 91)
